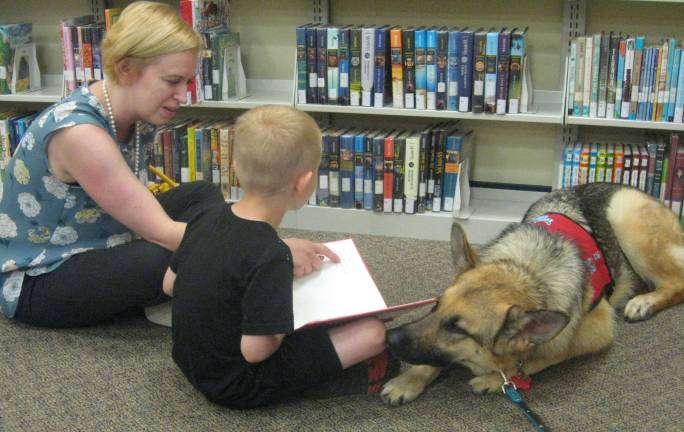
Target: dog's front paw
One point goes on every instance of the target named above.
(640, 308)
(402, 389)
(487, 383)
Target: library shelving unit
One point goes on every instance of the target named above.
(519, 153)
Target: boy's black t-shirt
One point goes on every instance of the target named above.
(234, 277)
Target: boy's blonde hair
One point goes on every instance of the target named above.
(273, 145)
(144, 31)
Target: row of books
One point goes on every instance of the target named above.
(613, 76)
(395, 171)
(82, 60)
(434, 68)
(655, 166)
(19, 69)
(13, 125)
(382, 171)
(220, 74)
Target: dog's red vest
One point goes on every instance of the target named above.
(590, 252)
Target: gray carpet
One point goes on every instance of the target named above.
(119, 376)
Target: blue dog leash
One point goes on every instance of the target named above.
(511, 391)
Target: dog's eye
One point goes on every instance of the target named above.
(451, 325)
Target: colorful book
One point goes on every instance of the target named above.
(333, 70)
(359, 144)
(347, 168)
(397, 66)
(490, 71)
(453, 69)
(479, 60)
(388, 172)
(612, 74)
(465, 79)
(409, 71)
(411, 172)
(503, 63)
(344, 64)
(518, 37)
(398, 180)
(355, 66)
(638, 68)
(311, 64)
(302, 83)
(603, 75)
(431, 67)
(420, 38)
(382, 84)
(456, 150)
(367, 65)
(578, 100)
(322, 64)
(379, 171)
(442, 68)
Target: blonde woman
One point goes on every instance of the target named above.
(72, 205)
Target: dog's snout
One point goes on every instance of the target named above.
(395, 337)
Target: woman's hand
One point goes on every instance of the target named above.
(308, 256)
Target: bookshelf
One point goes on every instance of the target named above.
(520, 149)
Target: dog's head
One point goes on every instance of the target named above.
(485, 321)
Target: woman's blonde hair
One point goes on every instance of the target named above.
(144, 31)
(273, 145)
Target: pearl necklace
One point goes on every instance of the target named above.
(112, 125)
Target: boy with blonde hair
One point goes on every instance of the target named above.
(232, 311)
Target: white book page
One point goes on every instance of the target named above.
(336, 290)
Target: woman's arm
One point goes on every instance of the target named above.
(256, 349)
(87, 155)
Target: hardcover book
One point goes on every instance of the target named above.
(379, 171)
(479, 59)
(355, 66)
(382, 84)
(334, 182)
(347, 169)
(409, 72)
(490, 71)
(503, 58)
(333, 78)
(397, 66)
(431, 67)
(344, 65)
(453, 69)
(441, 77)
(311, 65)
(421, 68)
(359, 141)
(322, 64)
(367, 65)
(515, 71)
(465, 79)
(302, 83)
(457, 149)
(411, 168)
(603, 75)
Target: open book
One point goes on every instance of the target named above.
(335, 293)
(341, 292)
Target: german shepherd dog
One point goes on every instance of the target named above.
(526, 301)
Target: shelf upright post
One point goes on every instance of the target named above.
(97, 8)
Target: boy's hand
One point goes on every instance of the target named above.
(308, 256)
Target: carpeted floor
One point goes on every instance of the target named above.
(119, 376)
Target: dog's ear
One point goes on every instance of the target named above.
(462, 253)
(522, 329)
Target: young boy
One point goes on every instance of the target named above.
(231, 279)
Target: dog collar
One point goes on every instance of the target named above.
(590, 252)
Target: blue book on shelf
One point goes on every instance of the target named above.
(453, 68)
(420, 38)
(380, 76)
(465, 79)
(652, 83)
(453, 156)
(642, 108)
(568, 152)
(431, 68)
(368, 174)
(639, 47)
(343, 64)
(672, 46)
(673, 83)
(322, 191)
(490, 71)
(679, 100)
(359, 140)
(347, 169)
(593, 160)
(301, 64)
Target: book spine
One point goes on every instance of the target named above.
(642, 97)
(347, 171)
(593, 159)
(674, 148)
(678, 112)
(643, 171)
(579, 78)
(515, 78)
(333, 70)
(442, 68)
(571, 63)
(566, 182)
(622, 48)
(677, 194)
(453, 69)
(409, 72)
(637, 70)
(658, 111)
(207, 69)
(323, 190)
(438, 168)
(334, 169)
(168, 154)
(595, 64)
(603, 75)
(610, 161)
(380, 77)
(97, 36)
(479, 59)
(368, 174)
(397, 65)
(367, 65)
(359, 141)
(451, 160)
(627, 80)
(653, 84)
(225, 160)
(68, 51)
(503, 59)
(398, 187)
(601, 164)
(465, 83)
(312, 65)
(584, 164)
(411, 168)
(388, 174)
(322, 64)
(658, 172)
(378, 172)
(421, 69)
(673, 82)
(423, 166)
(588, 61)
(431, 68)
(344, 66)
(490, 72)
(612, 74)
(215, 156)
(355, 67)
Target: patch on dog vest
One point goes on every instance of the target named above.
(590, 252)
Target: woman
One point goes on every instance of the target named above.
(71, 203)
